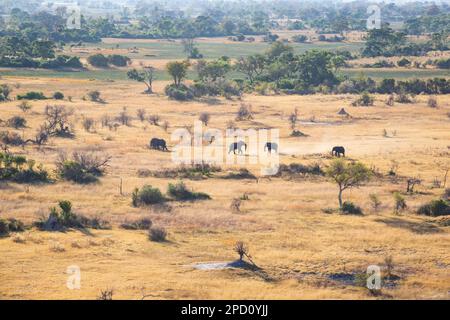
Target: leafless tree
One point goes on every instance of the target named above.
(411, 183)
(154, 119)
(141, 114)
(124, 118)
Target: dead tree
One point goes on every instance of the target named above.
(56, 124)
(411, 183)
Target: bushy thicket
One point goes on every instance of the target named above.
(10, 225)
(179, 191)
(82, 167)
(147, 195)
(300, 169)
(21, 170)
(179, 92)
(62, 217)
(440, 207)
(101, 61)
(31, 95)
(350, 208)
(61, 61)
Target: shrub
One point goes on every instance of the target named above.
(17, 122)
(300, 38)
(300, 169)
(432, 102)
(58, 95)
(180, 192)
(390, 100)
(350, 208)
(180, 92)
(446, 194)
(82, 167)
(443, 63)
(20, 170)
(147, 195)
(118, 60)
(10, 138)
(365, 100)
(235, 205)
(10, 225)
(154, 119)
(88, 124)
(24, 106)
(32, 95)
(63, 217)
(157, 234)
(197, 171)
(403, 62)
(374, 201)
(5, 91)
(106, 294)
(399, 202)
(402, 97)
(98, 60)
(141, 114)
(94, 96)
(244, 113)
(242, 173)
(141, 224)
(435, 208)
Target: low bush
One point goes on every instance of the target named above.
(141, 224)
(82, 167)
(98, 60)
(63, 217)
(180, 92)
(32, 95)
(147, 195)
(242, 173)
(17, 122)
(10, 225)
(157, 234)
(365, 100)
(435, 208)
(21, 170)
(432, 102)
(403, 62)
(118, 60)
(193, 172)
(180, 192)
(403, 97)
(300, 169)
(94, 96)
(58, 95)
(11, 138)
(350, 208)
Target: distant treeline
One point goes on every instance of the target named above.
(18, 52)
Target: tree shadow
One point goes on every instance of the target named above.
(415, 227)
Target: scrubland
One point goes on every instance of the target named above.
(304, 247)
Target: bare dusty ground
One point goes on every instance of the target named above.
(302, 251)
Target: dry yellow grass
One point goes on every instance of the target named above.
(298, 246)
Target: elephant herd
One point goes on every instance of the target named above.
(240, 147)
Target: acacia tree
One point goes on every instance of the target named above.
(251, 66)
(347, 175)
(178, 71)
(147, 75)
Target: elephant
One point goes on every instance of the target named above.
(338, 151)
(271, 145)
(158, 144)
(237, 146)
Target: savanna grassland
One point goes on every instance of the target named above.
(305, 248)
